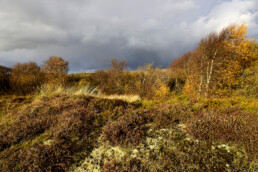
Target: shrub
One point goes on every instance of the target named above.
(147, 82)
(179, 72)
(171, 114)
(132, 165)
(231, 125)
(56, 70)
(25, 78)
(128, 129)
(56, 157)
(113, 80)
(4, 78)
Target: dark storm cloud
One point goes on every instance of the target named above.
(88, 33)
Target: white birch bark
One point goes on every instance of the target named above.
(209, 73)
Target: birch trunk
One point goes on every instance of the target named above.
(201, 78)
(209, 73)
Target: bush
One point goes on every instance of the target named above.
(128, 129)
(231, 125)
(171, 114)
(148, 82)
(4, 78)
(132, 165)
(26, 78)
(55, 69)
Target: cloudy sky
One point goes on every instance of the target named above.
(88, 33)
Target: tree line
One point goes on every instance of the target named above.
(27, 77)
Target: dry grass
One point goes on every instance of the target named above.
(127, 98)
(85, 90)
(48, 90)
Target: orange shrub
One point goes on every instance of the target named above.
(26, 78)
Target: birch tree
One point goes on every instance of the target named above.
(220, 60)
(208, 51)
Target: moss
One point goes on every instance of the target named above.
(42, 138)
(148, 103)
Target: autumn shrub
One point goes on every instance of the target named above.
(179, 72)
(110, 82)
(230, 125)
(147, 82)
(161, 91)
(55, 70)
(128, 129)
(74, 79)
(26, 78)
(249, 82)
(176, 84)
(151, 82)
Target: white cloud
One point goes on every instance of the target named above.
(226, 13)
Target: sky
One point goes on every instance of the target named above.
(89, 33)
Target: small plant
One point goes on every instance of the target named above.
(127, 130)
(228, 126)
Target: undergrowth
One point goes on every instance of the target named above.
(82, 132)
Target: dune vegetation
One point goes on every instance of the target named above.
(200, 114)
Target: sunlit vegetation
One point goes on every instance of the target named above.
(220, 62)
(200, 114)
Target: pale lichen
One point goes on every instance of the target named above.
(161, 149)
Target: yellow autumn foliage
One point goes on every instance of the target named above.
(161, 91)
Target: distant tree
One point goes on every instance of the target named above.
(55, 65)
(118, 66)
(116, 78)
(113, 80)
(26, 77)
(4, 78)
(56, 69)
